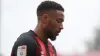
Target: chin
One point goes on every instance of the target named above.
(53, 38)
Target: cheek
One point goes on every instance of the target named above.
(54, 28)
(52, 25)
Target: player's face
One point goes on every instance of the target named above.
(55, 24)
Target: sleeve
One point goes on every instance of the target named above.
(24, 46)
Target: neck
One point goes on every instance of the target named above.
(41, 34)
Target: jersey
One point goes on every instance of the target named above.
(29, 44)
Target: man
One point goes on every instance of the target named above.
(35, 43)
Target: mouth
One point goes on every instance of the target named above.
(58, 33)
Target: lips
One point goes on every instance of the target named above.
(58, 32)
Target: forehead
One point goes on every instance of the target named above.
(56, 14)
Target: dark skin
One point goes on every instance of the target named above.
(49, 25)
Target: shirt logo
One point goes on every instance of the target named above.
(42, 53)
(21, 51)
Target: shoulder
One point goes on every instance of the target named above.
(27, 41)
(27, 38)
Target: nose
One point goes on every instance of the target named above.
(61, 26)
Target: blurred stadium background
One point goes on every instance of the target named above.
(81, 33)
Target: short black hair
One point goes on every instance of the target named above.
(48, 5)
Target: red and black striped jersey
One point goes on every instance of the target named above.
(28, 44)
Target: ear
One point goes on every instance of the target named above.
(44, 18)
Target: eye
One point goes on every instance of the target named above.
(59, 21)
